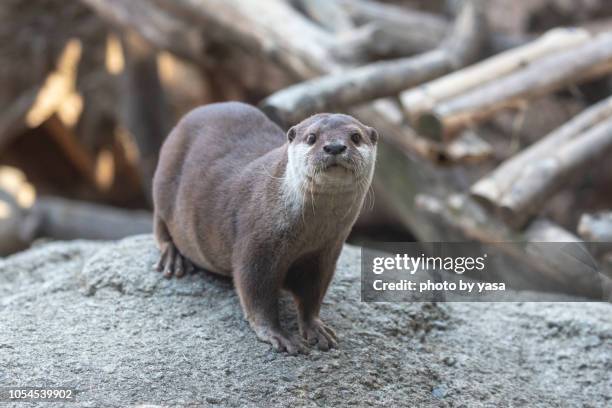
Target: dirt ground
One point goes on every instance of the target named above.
(98, 318)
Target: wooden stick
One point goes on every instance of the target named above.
(546, 75)
(353, 44)
(540, 179)
(425, 97)
(328, 14)
(337, 91)
(399, 31)
(414, 31)
(469, 148)
(387, 118)
(160, 27)
(272, 28)
(62, 219)
(492, 189)
(465, 219)
(374, 41)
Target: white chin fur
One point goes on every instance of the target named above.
(335, 180)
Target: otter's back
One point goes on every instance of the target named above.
(199, 161)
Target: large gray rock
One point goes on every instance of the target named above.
(98, 318)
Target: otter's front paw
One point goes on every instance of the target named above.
(317, 332)
(281, 341)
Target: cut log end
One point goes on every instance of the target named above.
(431, 126)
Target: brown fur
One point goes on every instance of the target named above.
(221, 204)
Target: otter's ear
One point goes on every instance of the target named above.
(373, 135)
(291, 134)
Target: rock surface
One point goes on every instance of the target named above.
(98, 318)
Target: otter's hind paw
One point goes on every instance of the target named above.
(172, 263)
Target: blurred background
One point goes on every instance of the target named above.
(91, 88)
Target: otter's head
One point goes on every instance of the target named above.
(332, 149)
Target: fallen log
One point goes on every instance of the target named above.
(63, 219)
(543, 178)
(386, 113)
(460, 217)
(346, 88)
(159, 27)
(426, 97)
(353, 44)
(587, 61)
(335, 92)
(372, 42)
(467, 148)
(328, 14)
(412, 31)
(517, 187)
(399, 31)
(272, 28)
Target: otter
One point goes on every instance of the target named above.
(236, 196)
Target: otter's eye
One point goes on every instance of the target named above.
(356, 138)
(311, 139)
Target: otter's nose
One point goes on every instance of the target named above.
(334, 148)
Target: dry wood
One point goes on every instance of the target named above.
(343, 89)
(587, 61)
(398, 31)
(159, 27)
(596, 227)
(387, 118)
(352, 44)
(387, 114)
(461, 217)
(541, 179)
(509, 185)
(468, 147)
(63, 219)
(335, 92)
(273, 28)
(371, 42)
(328, 14)
(425, 97)
(411, 31)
